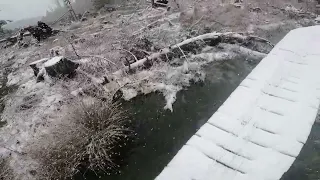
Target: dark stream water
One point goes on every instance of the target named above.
(307, 165)
(162, 133)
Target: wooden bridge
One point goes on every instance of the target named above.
(261, 128)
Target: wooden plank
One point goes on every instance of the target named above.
(261, 128)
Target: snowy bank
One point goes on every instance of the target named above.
(249, 137)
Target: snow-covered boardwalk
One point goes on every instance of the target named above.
(261, 128)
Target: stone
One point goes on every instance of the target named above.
(79, 40)
(83, 19)
(57, 51)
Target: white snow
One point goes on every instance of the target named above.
(261, 128)
(161, 78)
(19, 77)
(53, 61)
(43, 60)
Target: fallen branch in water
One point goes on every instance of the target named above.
(210, 39)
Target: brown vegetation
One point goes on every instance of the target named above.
(89, 141)
(5, 171)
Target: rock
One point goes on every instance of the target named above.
(60, 66)
(83, 19)
(23, 44)
(57, 51)
(106, 22)
(37, 65)
(256, 9)
(79, 40)
(41, 74)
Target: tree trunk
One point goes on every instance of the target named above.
(60, 66)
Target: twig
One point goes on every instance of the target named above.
(184, 55)
(59, 18)
(135, 13)
(147, 52)
(20, 153)
(96, 56)
(74, 49)
(262, 40)
(196, 22)
(162, 4)
(83, 15)
(154, 22)
(129, 53)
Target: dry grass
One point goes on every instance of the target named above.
(5, 170)
(88, 141)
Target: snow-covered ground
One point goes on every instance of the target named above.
(34, 109)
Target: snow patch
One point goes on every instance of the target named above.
(19, 77)
(53, 61)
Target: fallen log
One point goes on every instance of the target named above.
(177, 50)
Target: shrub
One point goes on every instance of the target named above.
(5, 170)
(89, 139)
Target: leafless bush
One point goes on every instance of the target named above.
(5, 170)
(90, 140)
